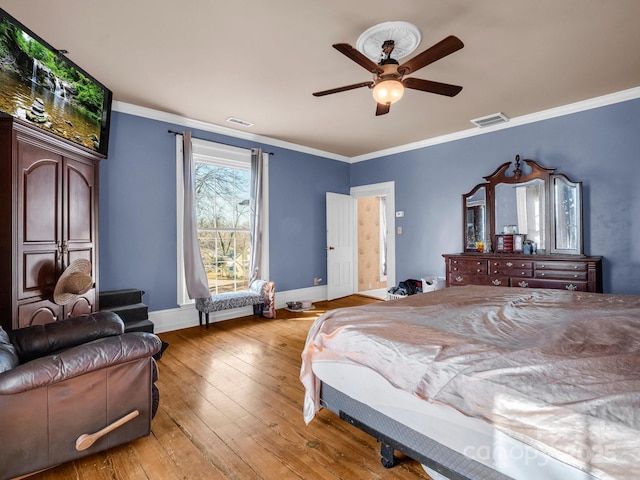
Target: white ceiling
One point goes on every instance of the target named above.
(260, 61)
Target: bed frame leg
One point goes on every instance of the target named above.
(388, 460)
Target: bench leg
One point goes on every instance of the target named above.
(258, 308)
(206, 318)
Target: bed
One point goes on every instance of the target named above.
(482, 382)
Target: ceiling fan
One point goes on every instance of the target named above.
(388, 82)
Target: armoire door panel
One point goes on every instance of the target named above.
(39, 273)
(81, 305)
(79, 202)
(38, 313)
(77, 252)
(39, 214)
(41, 201)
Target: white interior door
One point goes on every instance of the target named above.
(340, 245)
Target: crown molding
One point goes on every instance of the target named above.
(604, 100)
(152, 114)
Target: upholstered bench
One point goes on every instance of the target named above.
(261, 295)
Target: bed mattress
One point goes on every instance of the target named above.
(468, 436)
(558, 371)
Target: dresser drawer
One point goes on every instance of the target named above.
(497, 281)
(554, 265)
(554, 284)
(478, 266)
(561, 275)
(511, 264)
(461, 278)
(464, 278)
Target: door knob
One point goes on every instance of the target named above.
(330, 248)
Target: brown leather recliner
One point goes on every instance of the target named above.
(72, 388)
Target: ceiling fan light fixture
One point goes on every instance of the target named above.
(387, 92)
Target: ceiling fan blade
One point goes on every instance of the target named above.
(382, 108)
(342, 89)
(357, 57)
(439, 50)
(432, 87)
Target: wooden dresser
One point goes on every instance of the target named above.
(570, 272)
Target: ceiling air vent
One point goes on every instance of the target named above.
(237, 121)
(490, 120)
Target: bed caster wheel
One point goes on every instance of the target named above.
(387, 460)
(386, 463)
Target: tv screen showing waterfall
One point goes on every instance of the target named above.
(41, 86)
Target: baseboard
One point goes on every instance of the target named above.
(378, 293)
(186, 316)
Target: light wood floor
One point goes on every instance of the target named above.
(231, 408)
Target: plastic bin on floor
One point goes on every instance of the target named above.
(432, 283)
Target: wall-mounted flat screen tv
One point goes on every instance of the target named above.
(40, 85)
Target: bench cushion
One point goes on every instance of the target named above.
(224, 301)
(260, 294)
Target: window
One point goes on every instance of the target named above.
(223, 214)
(222, 183)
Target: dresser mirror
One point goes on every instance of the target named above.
(475, 217)
(529, 200)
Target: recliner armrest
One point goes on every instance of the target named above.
(76, 361)
(40, 340)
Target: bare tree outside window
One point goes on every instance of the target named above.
(223, 216)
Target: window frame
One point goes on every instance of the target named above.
(207, 151)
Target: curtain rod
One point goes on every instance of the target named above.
(215, 141)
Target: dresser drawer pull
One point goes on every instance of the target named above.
(478, 270)
(459, 278)
(542, 274)
(571, 287)
(497, 282)
(523, 284)
(509, 264)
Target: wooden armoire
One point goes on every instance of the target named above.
(48, 219)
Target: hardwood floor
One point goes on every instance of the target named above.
(231, 408)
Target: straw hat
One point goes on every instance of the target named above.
(75, 280)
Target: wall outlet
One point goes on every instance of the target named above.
(317, 280)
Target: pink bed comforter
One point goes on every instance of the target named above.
(557, 370)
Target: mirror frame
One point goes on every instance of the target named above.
(537, 171)
(487, 214)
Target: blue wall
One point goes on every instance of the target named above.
(600, 147)
(137, 221)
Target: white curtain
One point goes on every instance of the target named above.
(256, 213)
(194, 272)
